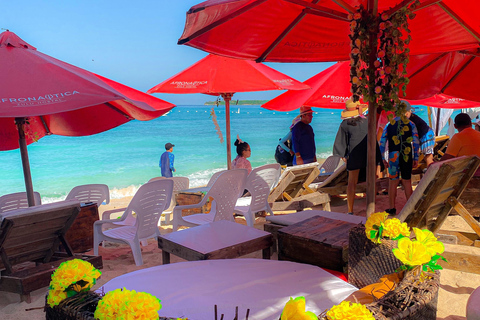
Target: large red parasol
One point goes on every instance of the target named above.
(315, 31)
(331, 88)
(223, 76)
(40, 95)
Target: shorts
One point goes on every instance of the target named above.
(427, 143)
(398, 167)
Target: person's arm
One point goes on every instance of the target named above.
(282, 144)
(172, 159)
(295, 145)
(340, 144)
(383, 144)
(415, 145)
(452, 149)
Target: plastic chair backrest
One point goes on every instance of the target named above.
(96, 193)
(225, 192)
(259, 183)
(214, 178)
(156, 178)
(150, 200)
(17, 200)
(179, 183)
(329, 166)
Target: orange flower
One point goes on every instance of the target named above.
(378, 89)
(381, 54)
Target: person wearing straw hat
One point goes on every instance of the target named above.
(400, 138)
(351, 144)
(303, 138)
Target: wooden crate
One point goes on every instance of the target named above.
(80, 234)
(318, 241)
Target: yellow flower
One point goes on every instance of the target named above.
(408, 149)
(295, 310)
(349, 311)
(126, 304)
(376, 219)
(392, 228)
(412, 253)
(77, 275)
(55, 297)
(429, 240)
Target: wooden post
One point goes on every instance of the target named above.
(227, 97)
(25, 162)
(372, 113)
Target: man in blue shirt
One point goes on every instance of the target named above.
(166, 161)
(303, 138)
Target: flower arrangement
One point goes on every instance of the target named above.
(390, 35)
(70, 278)
(378, 227)
(295, 310)
(423, 250)
(347, 310)
(127, 304)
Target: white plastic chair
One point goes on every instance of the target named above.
(179, 183)
(96, 193)
(214, 177)
(224, 193)
(148, 204)
(329, 166)
(259, 184)
(17, 200)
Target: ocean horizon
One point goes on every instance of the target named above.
(126, 157)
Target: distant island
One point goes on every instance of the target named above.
(237, 102)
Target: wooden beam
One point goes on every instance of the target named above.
(465, 214)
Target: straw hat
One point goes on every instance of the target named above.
(305, 110)
(353, 109)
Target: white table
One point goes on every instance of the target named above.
(191, 289)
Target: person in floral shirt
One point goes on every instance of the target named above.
(400, 138)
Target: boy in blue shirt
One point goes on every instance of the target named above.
(166, 161)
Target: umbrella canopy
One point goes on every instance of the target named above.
(455, 74)
(331, 88)
(216, 75)
(316, 31)
(40, 95)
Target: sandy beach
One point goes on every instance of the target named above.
(454, 290)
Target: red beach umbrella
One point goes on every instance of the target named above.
(331, 88)
(317, 31)
(216, 75)
(40, 95)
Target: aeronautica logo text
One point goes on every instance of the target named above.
(43, 99)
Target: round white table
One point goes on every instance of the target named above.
(191, 289)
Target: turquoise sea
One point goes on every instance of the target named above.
(127, 156)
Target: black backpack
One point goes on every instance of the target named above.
(283, 157)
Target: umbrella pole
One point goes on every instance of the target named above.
(25, 163)
(437, 131)
(227, 97)
(372, 113)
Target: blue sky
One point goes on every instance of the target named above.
(132, 42)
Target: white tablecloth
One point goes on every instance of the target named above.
(191, 289)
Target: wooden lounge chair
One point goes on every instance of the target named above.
(34, 234)
(439, 192)
(293, 192)
(441, 144)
